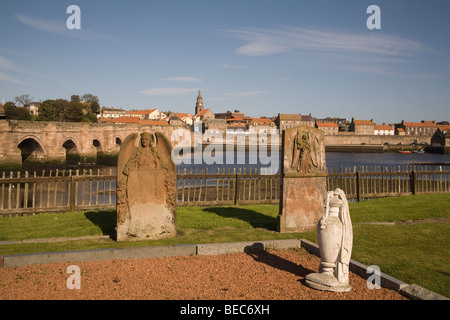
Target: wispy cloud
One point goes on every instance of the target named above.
(185, 79)
(10, 67)
(13, 72)
(11, 79)
(370, 53)
(60, 28)
(383, 70)
(262, 42)
(6, 64)
(167, 91)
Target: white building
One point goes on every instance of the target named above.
(384, 130)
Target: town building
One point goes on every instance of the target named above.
(441, 138)
(286, 121)
(424, 128)
(174, 120)
(110, 113)
(33, 108)
(201, 113)
(187, 118)
(328, 128)
(261, 125)
(134, 119)
(399, 131)
(362, 127)
(384, 130)
(229, 115)
(152, 114)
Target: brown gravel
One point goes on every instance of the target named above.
(269, 275)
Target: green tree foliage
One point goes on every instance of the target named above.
(73, 112)
(92, 102)
(16, 113)
(61, 110)
(50, 110)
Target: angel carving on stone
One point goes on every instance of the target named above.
(146, 188)
(305, 153)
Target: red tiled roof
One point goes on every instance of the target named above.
(141, 112)
(363, 122)
(383, 127)
(443, 127)
(419, 124)
(201, 113)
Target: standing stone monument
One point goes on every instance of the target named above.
(304, 174)
(335, 237)
(146, 188)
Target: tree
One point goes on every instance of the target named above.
(23, 99)
(53, 110)
(75, 98)
(47, 111)
(16, 113)
(73, 112)
(92, 102)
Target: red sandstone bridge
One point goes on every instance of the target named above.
(65, 142)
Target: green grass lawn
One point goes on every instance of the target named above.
(414, 253)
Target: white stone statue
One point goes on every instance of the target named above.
(335, 237)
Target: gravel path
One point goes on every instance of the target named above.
(268, 275)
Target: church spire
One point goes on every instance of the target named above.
(199, 104)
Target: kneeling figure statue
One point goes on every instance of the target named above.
(335, 237)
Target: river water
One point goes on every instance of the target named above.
(253, 160)
(270, 163)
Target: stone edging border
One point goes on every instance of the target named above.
(411, 291)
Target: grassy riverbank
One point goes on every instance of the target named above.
(416, 252)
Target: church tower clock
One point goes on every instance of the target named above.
(199, 104)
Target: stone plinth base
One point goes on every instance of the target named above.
(326, 282)
(302, 202)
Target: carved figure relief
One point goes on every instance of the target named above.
(146, 188)
(304, 150)
(305, 156)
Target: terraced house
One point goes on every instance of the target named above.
(362, 127)
(424, 128)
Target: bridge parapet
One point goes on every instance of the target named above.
(60, 142)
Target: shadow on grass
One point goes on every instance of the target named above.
(254, 218)
(104, 219)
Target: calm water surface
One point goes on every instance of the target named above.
(254, 160)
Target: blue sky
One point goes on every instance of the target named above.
(260, 57)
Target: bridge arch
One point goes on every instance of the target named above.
(31, 149)
(73, 155)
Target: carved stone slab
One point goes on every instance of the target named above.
(303, 187)
(146, 189)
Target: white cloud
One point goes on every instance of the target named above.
(6, 64)
(185, 79)
(272, 41)
(8, 78)
(167, 91)
(60, 28)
